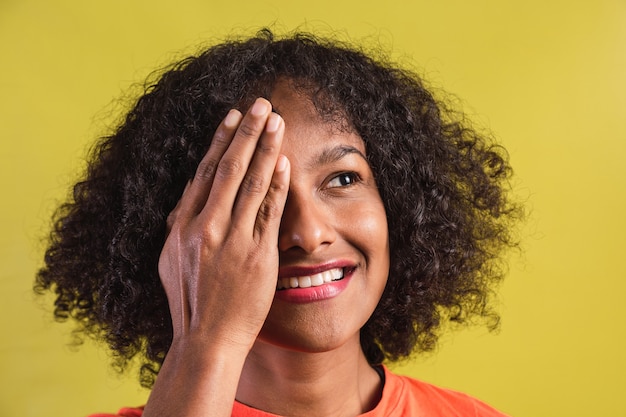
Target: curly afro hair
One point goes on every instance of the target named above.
(444, 186)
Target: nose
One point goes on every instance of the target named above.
(305, 226)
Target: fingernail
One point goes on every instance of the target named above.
(259, 107)
(232, 118)
(272, 123)
(281, 164)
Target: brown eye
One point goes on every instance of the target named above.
(343, 180)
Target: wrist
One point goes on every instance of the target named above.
(204, 352)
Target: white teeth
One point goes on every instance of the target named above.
(312, 280)
(304, 282)
(317, 280)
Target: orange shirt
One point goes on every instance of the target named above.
(402, 396)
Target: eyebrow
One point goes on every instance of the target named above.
(331, 155)
(334, 154)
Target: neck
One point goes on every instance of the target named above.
(339, 383)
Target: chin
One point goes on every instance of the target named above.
(299, 335)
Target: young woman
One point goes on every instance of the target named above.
(273, 220)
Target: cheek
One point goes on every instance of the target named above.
(371, 237)
(367, 226)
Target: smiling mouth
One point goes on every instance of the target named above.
(308, 281)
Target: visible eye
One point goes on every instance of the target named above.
(343, 180)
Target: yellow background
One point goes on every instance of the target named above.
(548, 77)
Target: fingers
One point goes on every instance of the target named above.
(271, 210)
(241, 180)
(244, 173)
(234, 128)
(196, 193)
(264, 174)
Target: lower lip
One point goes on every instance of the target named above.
(312, 294)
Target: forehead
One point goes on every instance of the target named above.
(305, 128)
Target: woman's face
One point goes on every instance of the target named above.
(333, 240)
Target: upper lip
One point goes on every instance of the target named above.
(306, 270)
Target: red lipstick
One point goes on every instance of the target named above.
(304, 284)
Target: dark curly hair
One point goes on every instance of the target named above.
(444, 187)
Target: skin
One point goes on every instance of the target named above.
(274, 192)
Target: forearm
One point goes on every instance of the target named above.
(196, 381)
